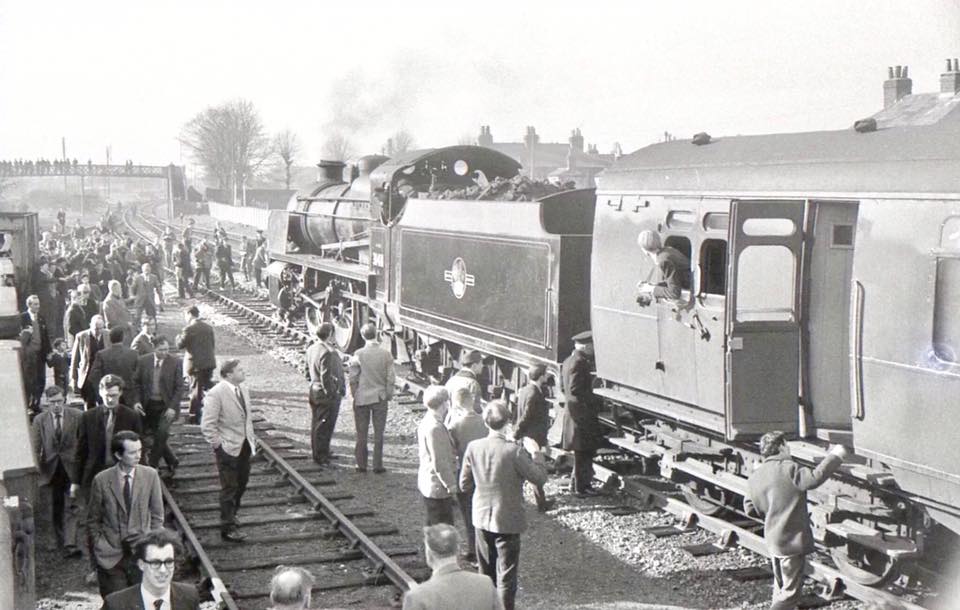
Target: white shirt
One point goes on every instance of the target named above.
(149, 599)
(123, 474)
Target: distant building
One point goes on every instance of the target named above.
(903, 108)
(555, 161)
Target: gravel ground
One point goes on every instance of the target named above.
(579, 555)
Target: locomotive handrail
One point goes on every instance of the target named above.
(856, 371)
(334, 216)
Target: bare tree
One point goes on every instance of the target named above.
(286, 145)
(337, 147)
(400, 142)
(229, 142)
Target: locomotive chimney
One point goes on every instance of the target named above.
(485, 138)
(897, 86)
(330, 171)
(950, 80)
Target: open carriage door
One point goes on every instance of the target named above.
(763, 329)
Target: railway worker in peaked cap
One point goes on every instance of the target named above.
(471, 363)
(778, 492)
(581, 426)
(670, 274)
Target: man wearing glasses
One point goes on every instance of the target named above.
(156, 553)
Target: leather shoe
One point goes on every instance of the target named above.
(589, 492)
(379, 470)
(361, 469)
(233, 536)
(71, 551)
(547, 505)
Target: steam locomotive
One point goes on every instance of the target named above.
(824, 284)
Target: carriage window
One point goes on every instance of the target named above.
(683, 245)
(765, 284)
(681, 220)
(716, 221)
(768, 226)
(713, 264)
(946, 323)
(842, 236)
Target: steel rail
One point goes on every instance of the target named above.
(382, 562)
(220, 592)
(733, 535)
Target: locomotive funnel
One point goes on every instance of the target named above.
(330, 171)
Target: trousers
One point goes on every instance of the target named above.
(200, 382)
(361, 416)
(323, 420)
(439, 510)
(124, 574)
(65, 509)
(157, 426)
(582, 470)
(465, 501)
(498, 556)
(787, 581)
(234, 473)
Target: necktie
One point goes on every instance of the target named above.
(127, 492)
(107, 456)
(243, 404)
(157, 604)
(58, 430)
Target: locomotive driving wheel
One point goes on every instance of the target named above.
(343, 314)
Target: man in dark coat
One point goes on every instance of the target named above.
(35, 352)
(533, 419)
(159, 381)
(118, 360)
(224, 254)
(327, 388)
(581, 426)
(778, 491)
(199, 358)
(74, 319)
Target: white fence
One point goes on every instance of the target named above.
(254, 217)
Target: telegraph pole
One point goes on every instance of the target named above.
(63, 148)
(108, 172)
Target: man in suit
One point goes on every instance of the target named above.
(227, 425)
(35, 352)
(533, 419)
(144, 287)
(437, 473)
(449, 586)
(118, 360)
(325, 371)
(778, 491)
(159, 383)
(89, 303)
(183, 266)
(74, 318)
(199, 358)
(581, 426)
(125, 502)
(471, 363)
(54, 434)
(143, 342)
(155, 553)
(290, 588)
(495, 469)
(371, 384)
(86, 345)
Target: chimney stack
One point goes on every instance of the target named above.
(950, 80)
(897, 86)
(576, 140)
(330, 171)
(531, 139)
(485, 138)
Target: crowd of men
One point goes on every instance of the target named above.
(47, 167)
(100, 465)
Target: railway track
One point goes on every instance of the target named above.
(288, 520)
(291, 340)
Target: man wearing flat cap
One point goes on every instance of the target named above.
(468, 376)
(581, 426)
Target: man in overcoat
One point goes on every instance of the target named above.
(581, 425)
(371, 383)
(117, 360)
(86, 345)
(327, 387)
(35, 351)
(159, 383)
(533, 418)
(199, 357)
(778, 491)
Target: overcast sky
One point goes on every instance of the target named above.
(122, 74)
